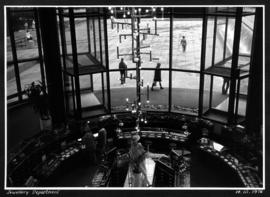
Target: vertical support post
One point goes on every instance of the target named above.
(170, 59)
(64, 55)
(117, 52)
(214, 42)
(254, 111)
(203, 50)
(132, 33)
(75, 64)
(138, 74)
(236, 43)
(88, 33)
(156, 27)
(237, 98)
(94, 34)
(52, 60)
(105, 16)
(102, 81)
(211, 91)
(100, 40)
(39, 47)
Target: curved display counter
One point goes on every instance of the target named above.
(42, 157)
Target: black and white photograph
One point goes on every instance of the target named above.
(134, 97)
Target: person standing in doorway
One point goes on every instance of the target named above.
(157, 77)
(183, 43)
(123, 69)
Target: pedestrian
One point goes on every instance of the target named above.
(157, 77)
(123, 70)
(184, 43)
(226, 85)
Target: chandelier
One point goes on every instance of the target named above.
(138, 34)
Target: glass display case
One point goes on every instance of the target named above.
(227, 62)
(82, 34)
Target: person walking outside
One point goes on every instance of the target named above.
(123, 70)
(184, 43)
(157, 77)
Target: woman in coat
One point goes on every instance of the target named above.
(157, 77)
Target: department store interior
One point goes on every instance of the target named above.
(83, 84)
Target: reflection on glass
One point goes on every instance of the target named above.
(92, 38)
(185, 92)
(220, 37)
(81, 35)
(69, 58)
(209, 43)
(187, 35)
(102, 33)
(9, 55)
(246, 35)
(85, 82)
(242, 101)
(11, 80)
(206, 93)
(91, 96)
(230, 37)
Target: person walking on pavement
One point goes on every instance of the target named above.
(184, 43)
(123, 70)
(157, 77)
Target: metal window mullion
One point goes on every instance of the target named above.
(39, 47)
(170, 61)
(88, 36)
(237, 97)
(214, 41)
(94, 34)
(236, 43)
(75, 63)
(102, 81)
(107, 60)
(211, 92)
(63, 38)
(203, 51)
(100, 41)
(225, 39)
